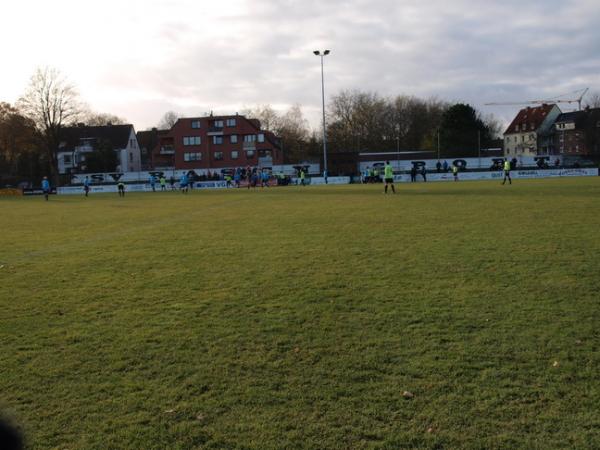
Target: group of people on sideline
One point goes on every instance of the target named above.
(251, 177)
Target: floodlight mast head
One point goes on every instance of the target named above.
(326, 52)
(317, 52)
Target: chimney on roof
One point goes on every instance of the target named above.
(154, 129)
(81, 124)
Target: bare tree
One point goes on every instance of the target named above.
(294, 132)
(167, 121)
(593, 100)
(51, 102)
(101, 119)
(268, 117)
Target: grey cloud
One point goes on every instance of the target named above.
(465, 50)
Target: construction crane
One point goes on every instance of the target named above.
(557, 99)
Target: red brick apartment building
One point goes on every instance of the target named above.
(216, 142)
(577, 133)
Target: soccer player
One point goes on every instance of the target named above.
(183, 183)
(506, 171)
(249, 176)
(152, 181)
(264, 179)
(455, 171)
(46, 187)
(163, 183)
(121, 189)
(86, 186)
(172, 183)
(302, 177)
(388, 175)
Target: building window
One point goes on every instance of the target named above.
(233, 138)
(195, 124)
(192, 157)
(516, 127)
(217, 140)
(235, 154)
(191, 140)
(231, 122)
(264, 153)
(67, 159)
(261, 137)
(218, 156)
(131, 157)
(218, 124)
(249, 154)
(250, 138)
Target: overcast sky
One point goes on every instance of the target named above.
(138, 59)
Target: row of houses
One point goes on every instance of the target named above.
(198, 143)
(546, 130)
(218, 142)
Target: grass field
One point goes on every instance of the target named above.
(297, 317)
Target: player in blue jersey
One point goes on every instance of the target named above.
(46, 187)
(183, 183)
(86, 186)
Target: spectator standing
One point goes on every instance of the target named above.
(413, 174)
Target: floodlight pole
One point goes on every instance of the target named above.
(322, 55)
(398, 146)
(479, 147)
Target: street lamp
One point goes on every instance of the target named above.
(397, 128)
(322, 55)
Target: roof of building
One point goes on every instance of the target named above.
(149, 139)
(529, 119)
(573, 116)
(117, 135)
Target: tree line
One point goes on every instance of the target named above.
(357, 121)
(367, 122)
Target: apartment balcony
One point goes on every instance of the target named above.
(84, 149)
(215, 131)
(265, 161)
(167, 150)
(249, 146)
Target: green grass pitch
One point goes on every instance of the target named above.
(298, 317)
